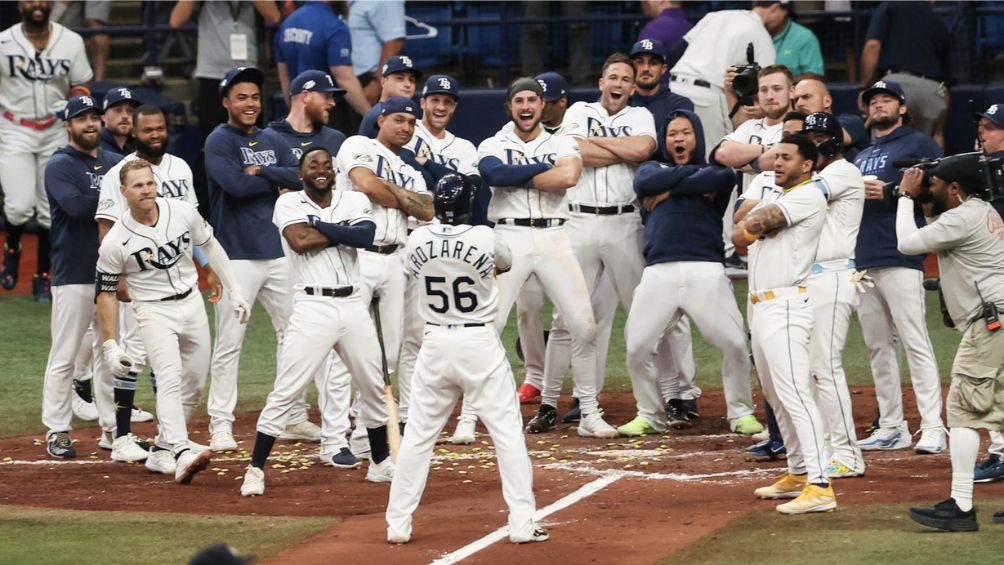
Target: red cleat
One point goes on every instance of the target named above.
(527, 392)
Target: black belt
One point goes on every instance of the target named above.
(177, 296)
(695, 81)
(470, 325)
(601, 210)
(533, 222)
(383, 249)
(340, 292)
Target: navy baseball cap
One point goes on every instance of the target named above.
(220, 554)
(78, 105)
(241, 74)
(400, 64)
(995, 113)
(314, 81)
(441, 84)
(119, 96)
(884, 86)
(396, 104)
(651, 46)
(554, 85)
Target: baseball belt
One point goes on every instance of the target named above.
(532, 222)
(687, 80)
(766, 295)
(467, 325)
(834, 265)
(601, 210)
(37, 125)
(340, 292)
(181, 296)
(383, 249)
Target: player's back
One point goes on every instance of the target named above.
(454, 267)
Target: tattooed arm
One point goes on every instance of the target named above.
(765, 220)
(413, 203)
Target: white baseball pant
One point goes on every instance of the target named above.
(531, 331)
(130, 338)
(470, 361)
(895, 307)
(83, 363)
(333, 400)
(24, 152)
(996, 444)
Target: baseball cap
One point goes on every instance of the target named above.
(653, 46)
(441, 84)
(524, 83)
(963, 169)
(398, 64)
(119, 96)
(554, 86)
(396, 104)
(995, 113)
(241, 74)
(220, 554)
(886, 86)
(314, 81)
(78, 105)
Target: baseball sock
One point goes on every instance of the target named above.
(772, 427)
(964, 445)
(125, 392)
(262, 447)
(14, 235)
(153, 382)
(84, 390)
(44, 263)
(379, 450)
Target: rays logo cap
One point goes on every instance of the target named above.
(400, 64)
(889, 87)
(441, 84)
(314, 81)
(398, 104)
(241, 74)
(117, 96)
(995, 113)
(554, 85)
(650, 46)
(78, 105)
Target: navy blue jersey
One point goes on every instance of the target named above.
(877, 239)
(73, 184)
(661, 105)
(109, 144)
(241, 205)
(313, 38)
(298, 142)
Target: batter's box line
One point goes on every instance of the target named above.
(679, 477)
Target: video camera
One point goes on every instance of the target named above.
(991, 171)
(745, 82)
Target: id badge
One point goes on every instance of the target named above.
(238, 47)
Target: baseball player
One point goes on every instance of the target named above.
(832, 293)
(73, 182)
(44, 64)
(685, 274)
(529, 171)
(649, 57)
(398, 77)
(322, 230)
(118, 107)
(152, 246)
(247, 167)
(893, 309)
(781, 319)
(461, 354)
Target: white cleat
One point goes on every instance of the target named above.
(188, 464)
(222, 441)
(539, 534)
(593, 425)
(126, 450)
(139, 415)
(84, 410)
(160, 461)
(304, 431)
(254, 482)
(464, 434)
(932, 441)
(382, 472)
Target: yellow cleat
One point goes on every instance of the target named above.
(788, 486)
(812, 499)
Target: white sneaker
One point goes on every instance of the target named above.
(304, 431)
(360, 446)
(160, 461)
(382, 472)
(140, 415)
(197, 447)
(86, 411)
(223, 441)
(124, 449)
(887, 439)
(188, 464)
(106, 440)
(464, 434)
(254, 482)
(593, 425)
(932, 441)
(539, 534)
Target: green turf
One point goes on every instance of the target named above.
(24, 345)
(34, 535)
(860, 534)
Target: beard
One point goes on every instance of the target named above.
(86, 141)
(28, 16)
(148, 151)
(885, 121)
(317, 116)
(647, 85)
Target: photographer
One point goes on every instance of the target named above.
(968, 235)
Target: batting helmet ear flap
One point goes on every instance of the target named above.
(824, 122)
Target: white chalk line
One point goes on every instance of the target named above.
(583, 492)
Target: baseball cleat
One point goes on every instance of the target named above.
(464, 434)
(59, 445)
(766, 450)
(126, 450)
(41, 288)
(254, 482)
(946, 515)
(188, 464)
(160, 461)
(197, 447)
(539, 534)
(691, 407)
(837, 469)
(999, 517)
(932, 441)
(676, 413)
(747, 425)
(139, 415)
(527, 393)
(84, 410)
(813, 499)
(544, 421)
(343, 459)
(106, 440)
(304, 431)
(222, 441)
(990, 470)
(788, 486)
(593, 425)
(887, 439)
(574, 413)
(397, 539)
(637, 427)
(382, 472)
(11, 264)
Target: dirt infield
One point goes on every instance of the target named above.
(653, 495)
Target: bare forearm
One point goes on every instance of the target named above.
(108, 315)
(631, 149)
(561, 177)
(414, 204)
(766, 219)
(744, 209)
(869, 60)
(181, 13)
(734, 154)
(595, 155)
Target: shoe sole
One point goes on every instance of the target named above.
(141, 419)
(633, 433)
(882, 448)
(397, 540)
(680, 426)
(294, 437)
(850, 475)
(122, 459)
(603, 435)
(928, 450)
(64, 456)
(828, 507)
(199, 464)
(223, 449)
(378, 480)
(766, 458)
(946, 525)
(356, 465)
(990, 480)
(253, 493)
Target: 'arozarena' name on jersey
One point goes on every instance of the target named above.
(483, 262)
(167, 255)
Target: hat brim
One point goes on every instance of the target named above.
(132, 101)
(997, 120)
(418, 74)
(431, 92)
(867, 95)
(84, 111)
(254, 74)
(643, 52)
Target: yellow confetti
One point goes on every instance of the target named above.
(461, 472)
(105, 477)
(468, 481)
(8, 459)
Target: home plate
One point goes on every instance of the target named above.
(632, 453)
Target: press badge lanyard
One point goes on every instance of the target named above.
(238, 41)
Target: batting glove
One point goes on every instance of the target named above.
(118, 362)
(861, 281)
(241, 308)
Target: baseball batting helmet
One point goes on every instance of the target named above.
(453, 199)
(825, 123)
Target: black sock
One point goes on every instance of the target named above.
(262, 448)
(379, 450)
(84, 389)
(14, 236)
(125, 392)
(822, 485)
(178, 454)
(153, 382)
(44, 265)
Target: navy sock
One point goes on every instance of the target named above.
(772, 427)
(153, 382)
(262, 448)
(379, 450)
(14, 235)
(822, 485)
(125, 393)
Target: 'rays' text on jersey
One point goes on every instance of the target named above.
(597, 129)
(165, 256)
(875, 162)
(483, 263)
(39, 68)
(517, 157)
(260, 158)
(422, 149)
(387, 173)
(174, 188)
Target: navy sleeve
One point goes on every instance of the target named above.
(368, 126)
(356, 235)
(408, 156)
(878, 28)
(496, 173)
(437, 170)
(655, 178)
(62, 185)
(705, 181)
(224, 167)
(482, 197)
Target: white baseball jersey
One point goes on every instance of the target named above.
(332, 266)
(845, 191)
(455, 265)
(760, 187)
(34, 84)
(785, 258)
(158, 258)
(613, 184)
(173, 177)
(361, 151)
(520, 201)
(451, 151)
(719, 41)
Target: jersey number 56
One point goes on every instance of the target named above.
(462, 301)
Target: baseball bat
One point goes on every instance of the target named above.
(393, 431)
